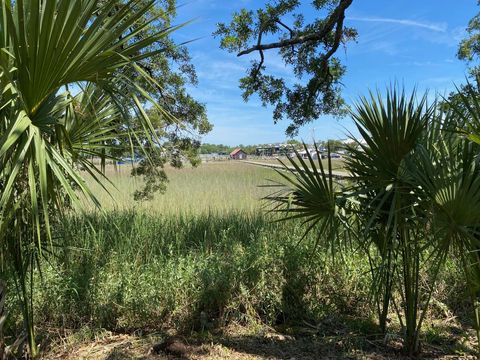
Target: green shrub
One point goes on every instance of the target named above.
(129, 271)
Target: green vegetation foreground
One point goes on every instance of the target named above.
(75, 87)
(217, 264)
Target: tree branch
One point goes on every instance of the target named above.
(338, 38)
(333, 19)
(262, 55)
(278, 21)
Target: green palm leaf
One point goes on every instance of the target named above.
(308, 193)
(48, 47)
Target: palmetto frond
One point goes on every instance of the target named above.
(45, 47)
(407, 173)
(446, 172)
(465, 106)
(70, 89)
(309, 193)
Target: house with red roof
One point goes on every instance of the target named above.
(238, 154)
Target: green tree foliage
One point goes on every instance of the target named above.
(294, 143)
(74, 87)
(469, 48)
(215, 149)
(335, 145)
(171, 69)
(249, 149)
(409, 204)
(307, 47)
(468, 51)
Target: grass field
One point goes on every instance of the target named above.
(337, 164)
(214, 186)
(204, 261)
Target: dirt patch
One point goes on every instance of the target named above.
(242, 344)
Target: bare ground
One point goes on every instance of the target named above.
(239, 343)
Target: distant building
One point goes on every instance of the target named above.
(273, 150)
(214, 157)
(313, 153)
(238, 154)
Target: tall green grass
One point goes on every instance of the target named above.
(130, 270)
(211, 187)
(198, 257)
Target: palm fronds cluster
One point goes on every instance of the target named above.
(413, 199)
(70, 92)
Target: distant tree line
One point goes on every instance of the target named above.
(207, 148)
(214, 149)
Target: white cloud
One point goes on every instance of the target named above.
(384, 46)
(450, 38)
(439, 27)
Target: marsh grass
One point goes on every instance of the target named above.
(211, 187)
(130, 271)
(200, 257)
(197, 257)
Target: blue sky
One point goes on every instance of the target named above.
(411, 42)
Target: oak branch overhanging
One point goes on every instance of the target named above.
(335, 20)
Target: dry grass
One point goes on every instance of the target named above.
(213, 186)
(239, 343)
(337, 164)
(235, 252)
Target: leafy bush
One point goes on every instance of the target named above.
(129, 271)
